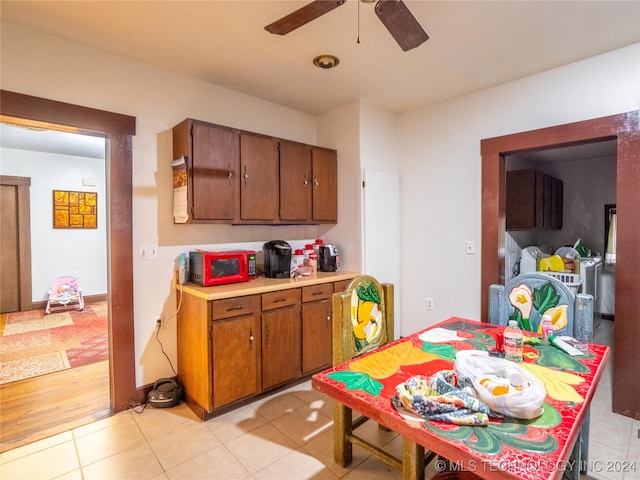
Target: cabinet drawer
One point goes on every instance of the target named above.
(317, 292)
(341, 285)
(233, 307)
(282, 298)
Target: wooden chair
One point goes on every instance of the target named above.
(64, 293)
(363, 320)
(572, 315)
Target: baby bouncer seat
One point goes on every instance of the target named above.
(65, 292)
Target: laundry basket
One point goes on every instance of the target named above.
(571, 280)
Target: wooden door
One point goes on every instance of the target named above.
(295, 181)
(325, 185)
(15, 244)
(235, 359)
(259, 178)
(214, 172)
(280, 345)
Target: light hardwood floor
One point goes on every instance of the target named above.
(39, 407)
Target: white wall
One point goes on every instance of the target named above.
(59, 252)
(440, 171)
(37, 64)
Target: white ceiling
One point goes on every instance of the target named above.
(473, 45)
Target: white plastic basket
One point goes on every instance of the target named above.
(571, 280)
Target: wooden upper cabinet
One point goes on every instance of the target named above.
(325, 185)
(295, 182)
(534, 201)
(213, 163)
(240, 177)
(259, 178)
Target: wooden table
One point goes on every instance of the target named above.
(506, 448)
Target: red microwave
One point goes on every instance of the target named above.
(222, 267)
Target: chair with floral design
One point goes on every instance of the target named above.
(363, 320)
(526, 298)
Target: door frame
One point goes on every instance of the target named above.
(118, 130)
(625, 128)
(23, 187)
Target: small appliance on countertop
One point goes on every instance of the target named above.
(277, 259)
(328, 258)
(208, 268)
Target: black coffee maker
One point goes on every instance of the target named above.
(328, 258)
(277, 259)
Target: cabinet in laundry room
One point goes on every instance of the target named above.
(534, 201)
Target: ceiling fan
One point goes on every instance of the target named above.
(394, 15)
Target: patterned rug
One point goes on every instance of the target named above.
(32, 343)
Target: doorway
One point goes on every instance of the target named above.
(625, 129)
(15, 243)
(118, 130)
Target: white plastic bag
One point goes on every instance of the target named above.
(526, 393)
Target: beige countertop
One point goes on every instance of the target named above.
(263, 285)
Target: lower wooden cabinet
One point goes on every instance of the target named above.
(233, 349)
(235, 359)
(316, 327)
(280, 337)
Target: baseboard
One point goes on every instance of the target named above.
(101, 297)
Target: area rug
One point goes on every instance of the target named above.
(32, 343)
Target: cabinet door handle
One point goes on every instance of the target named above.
(235, 307)
(305, 183)
(280, 300)
(246, 175)
(250, 338)
(315, 183)
(328, 318)
(316, 293)
(230, 174)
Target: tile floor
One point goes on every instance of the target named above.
(285, 436)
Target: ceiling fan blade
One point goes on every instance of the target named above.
(302, 16)
(401, 23)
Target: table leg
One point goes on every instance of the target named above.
(342, 428)
(412, 460)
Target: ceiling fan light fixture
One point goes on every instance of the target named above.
(326, 61)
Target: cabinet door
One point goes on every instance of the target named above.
(280, 345)
(316, 335)
(557, 198)
(295, 181)
(214, 172)
(235, 358)
(259, 178)
(325, 185)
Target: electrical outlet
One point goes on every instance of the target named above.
(429, 303)
(471, 247)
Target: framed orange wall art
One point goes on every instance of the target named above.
(75, 209)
